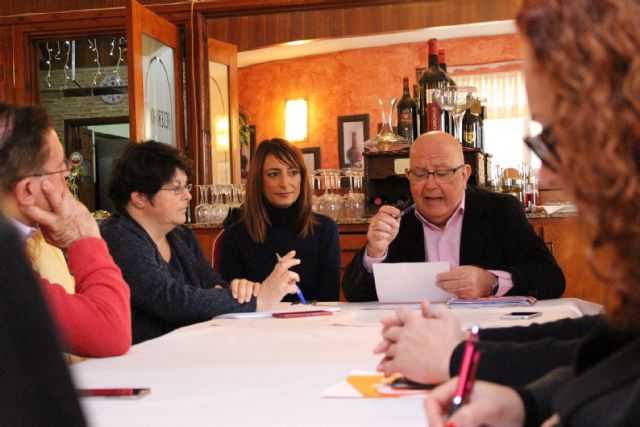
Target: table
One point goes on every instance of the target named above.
(266, 372)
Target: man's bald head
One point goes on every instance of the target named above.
(437, 142)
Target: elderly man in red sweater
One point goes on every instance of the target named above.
(95, 321)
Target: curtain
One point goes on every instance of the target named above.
(504, 90)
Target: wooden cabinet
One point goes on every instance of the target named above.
(568, 244)
(561, 234)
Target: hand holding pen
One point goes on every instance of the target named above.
(298, 291)
(280, 282)
(461, 402)
(383, 229)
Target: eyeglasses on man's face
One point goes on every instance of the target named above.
(543, 144)
(178, 190)
(418, 176)
(67, 170)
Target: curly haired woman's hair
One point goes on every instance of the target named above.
(255, 207)
(589, 50)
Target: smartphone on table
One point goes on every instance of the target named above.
(520, 315)
(118, 393)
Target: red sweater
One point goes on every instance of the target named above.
(96, 320)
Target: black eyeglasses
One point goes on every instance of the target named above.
(544, 146)
(418, 176)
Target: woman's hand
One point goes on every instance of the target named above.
(243, 290)
(280, 282)
(489, 405)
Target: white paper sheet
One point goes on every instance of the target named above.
(409, 281)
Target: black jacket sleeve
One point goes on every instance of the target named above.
(357, 283)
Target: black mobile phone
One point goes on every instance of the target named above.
(121, 393)
(521, 315)
(406, 384)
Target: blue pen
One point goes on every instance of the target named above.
(298, 291)
(408, 209)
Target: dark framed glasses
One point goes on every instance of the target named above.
(544, 145)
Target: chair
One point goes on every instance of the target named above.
(215, 251)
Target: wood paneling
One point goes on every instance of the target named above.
(256, 30)
(6, 65)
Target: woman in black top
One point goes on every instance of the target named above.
(277, 218)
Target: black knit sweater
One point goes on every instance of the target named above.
(320, 254)
(166, 296)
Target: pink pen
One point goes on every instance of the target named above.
(468, 370)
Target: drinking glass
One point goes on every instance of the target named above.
(456, 100)
(353, 201)
(202, 208)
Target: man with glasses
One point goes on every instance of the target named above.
(486, 238)
(96, 320)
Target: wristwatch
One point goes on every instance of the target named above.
(495, 287)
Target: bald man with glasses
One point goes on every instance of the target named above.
(486, 238)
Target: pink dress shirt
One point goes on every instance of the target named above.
(443, 244)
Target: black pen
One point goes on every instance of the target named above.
(468, 370)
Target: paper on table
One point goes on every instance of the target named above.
(288, 309)
(359, 384)
(409, 281)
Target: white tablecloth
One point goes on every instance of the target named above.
(266, 372)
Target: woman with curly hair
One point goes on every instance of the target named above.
(582, 72)
(277, 218)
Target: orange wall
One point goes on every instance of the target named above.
(348, 83)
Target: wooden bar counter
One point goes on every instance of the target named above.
(560, 232)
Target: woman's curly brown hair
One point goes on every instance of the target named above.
(591, 52)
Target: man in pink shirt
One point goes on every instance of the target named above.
(486, 238)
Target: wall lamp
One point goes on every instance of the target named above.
(296, 120)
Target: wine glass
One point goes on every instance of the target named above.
(455, 99)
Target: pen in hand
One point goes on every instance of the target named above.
(406, 210)
(298, 291)
(468, 370)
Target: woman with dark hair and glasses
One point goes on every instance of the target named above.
(172, 284)
(582, 72)
(277, 218)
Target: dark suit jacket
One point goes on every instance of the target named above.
(496, 235)
(35, 385)
(601, 388)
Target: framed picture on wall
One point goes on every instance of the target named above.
(311, 158)
(353, 131)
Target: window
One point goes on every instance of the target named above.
(507, 116)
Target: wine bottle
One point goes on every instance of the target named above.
(407, 112)
(473, 126)
(446, 118)
(416, 100)
(432, 78)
